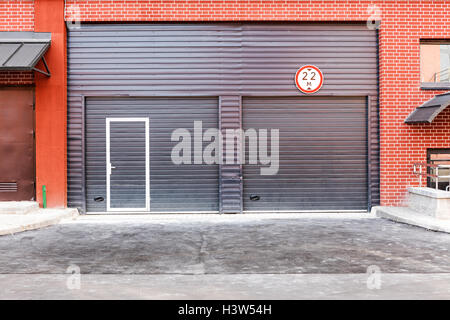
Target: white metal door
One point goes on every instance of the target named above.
(127, 164)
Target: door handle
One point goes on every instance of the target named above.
(110, 167)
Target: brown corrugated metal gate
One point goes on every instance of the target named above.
(16, 144)
(244, 67)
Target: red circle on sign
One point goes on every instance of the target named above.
(306, 90)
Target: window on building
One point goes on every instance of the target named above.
(439, 157)
(435, 63)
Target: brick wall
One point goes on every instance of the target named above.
(16, 78)
(404, 23)
(16, 15)
(218, 10)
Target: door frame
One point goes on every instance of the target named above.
(109, 167)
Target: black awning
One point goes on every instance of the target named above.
(23, 50)
(429, 110)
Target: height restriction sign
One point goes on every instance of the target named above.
(309, 79)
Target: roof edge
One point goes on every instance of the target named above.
(25, 36)
(428, 104)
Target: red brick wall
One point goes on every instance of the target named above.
(16, 15)
(404, 23)
(218, 10)
(16, 78)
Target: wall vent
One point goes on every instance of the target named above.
(8, 186)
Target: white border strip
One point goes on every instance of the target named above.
(147, 165)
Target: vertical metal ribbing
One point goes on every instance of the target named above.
(230, 173)
(83, 153)
(369, 155)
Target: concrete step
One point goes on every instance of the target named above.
(430, 202)
(18, 207)
(14, 223)
(412, 217)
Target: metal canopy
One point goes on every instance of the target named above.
(429, 110)
(22, 50)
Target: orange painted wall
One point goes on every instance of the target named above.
(51, 106)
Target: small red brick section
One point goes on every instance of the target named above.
(15, 78)
(404, 23)
(16, 15)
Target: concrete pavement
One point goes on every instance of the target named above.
(209, 256)
(226, 286)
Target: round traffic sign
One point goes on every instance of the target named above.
(309, 79)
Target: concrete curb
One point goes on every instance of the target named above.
(411, 217)
(18, 207)
(10, 224)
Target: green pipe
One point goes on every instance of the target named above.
(44, 196)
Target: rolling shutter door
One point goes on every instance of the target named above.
(173, 188)
(323, 154)
(223, 60)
